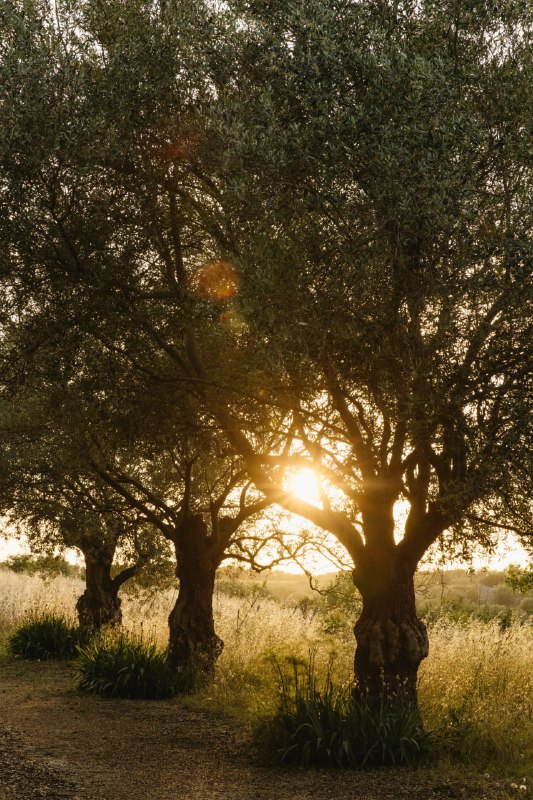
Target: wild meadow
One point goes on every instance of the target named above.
(475, 688)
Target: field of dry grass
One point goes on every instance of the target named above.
(476, 687)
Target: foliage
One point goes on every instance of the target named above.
(156, 575)
(123, 666)
(45, 565)
(252, 591)
(520, 580)
(459, 612)
(339, 605)
(527, 605)
(341, 593)
(368, 151)
(324, 725)
(45, 636)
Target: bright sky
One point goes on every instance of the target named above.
(509, 551)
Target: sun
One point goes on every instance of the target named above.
(304, 485)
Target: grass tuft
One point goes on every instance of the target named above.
(122, 666)
(326, 726)
(476, 692)
(45, 636)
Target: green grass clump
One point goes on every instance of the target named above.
(329, 727)
(43, 637)
(122, 666)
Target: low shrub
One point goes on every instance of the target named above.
(122, 666)
(459, 612)
(45, 636)
(329, 727)
(47, 566)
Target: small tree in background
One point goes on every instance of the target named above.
(55, 501)
(520, 579)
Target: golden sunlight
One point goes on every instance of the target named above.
(304, 485)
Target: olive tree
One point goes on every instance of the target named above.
(377, 169)
(111, 244)
(53, 498)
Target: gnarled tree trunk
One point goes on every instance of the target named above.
(99, 605)
(193, 642)
(391, 640)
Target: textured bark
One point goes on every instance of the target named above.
(391, 642)
(99, 605)
(193, 642)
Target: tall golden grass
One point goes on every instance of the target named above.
(476, 686)
(23, 595)
(476, 690)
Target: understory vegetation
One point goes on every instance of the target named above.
(122, 666)
(286, 670)
(323, 724)
(45, 636)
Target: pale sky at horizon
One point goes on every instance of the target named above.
(504, 556)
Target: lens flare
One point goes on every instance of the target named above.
(233, 321)
(217, 280)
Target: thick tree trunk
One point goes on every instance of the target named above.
(99, 605)
(391, 642)
(193, 642)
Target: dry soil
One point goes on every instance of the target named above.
(58, 743)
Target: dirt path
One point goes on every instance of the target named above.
(56, 743)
